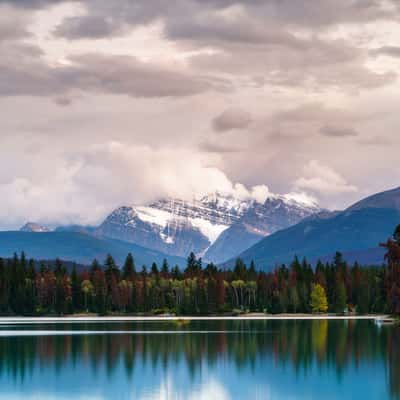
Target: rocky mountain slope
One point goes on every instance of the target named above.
(216, 227)
(174, 226)
(258, 221)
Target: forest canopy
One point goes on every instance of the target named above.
(30, 287)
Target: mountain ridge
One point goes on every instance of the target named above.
(78, 247)
(178, 227)
(358, 228)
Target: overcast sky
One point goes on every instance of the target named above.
(105, 103)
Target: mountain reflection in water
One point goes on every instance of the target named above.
(229, 359)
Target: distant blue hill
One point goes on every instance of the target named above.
(351, 232)
(78, 247)
(356, 232)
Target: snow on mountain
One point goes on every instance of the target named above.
(177, 227)
(34, 227)
(276, 213)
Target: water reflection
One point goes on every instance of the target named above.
(210, 360)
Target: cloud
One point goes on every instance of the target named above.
(315, 112)
(12, 24)
(33, 4)
(259, 40)
(337, 131)
(98, 73)
(322, 179)
(188, 19)
(84, 186)
(88, 27)
(232, 118)
(63, 101)
(170, 83)
(209, 146)
(315, 66)
(391, 51)
(375, 141)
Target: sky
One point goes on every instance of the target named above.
(108, 103)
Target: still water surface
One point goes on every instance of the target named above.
(279, 360)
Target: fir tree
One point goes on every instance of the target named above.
(129, 270)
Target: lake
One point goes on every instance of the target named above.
(271, 359)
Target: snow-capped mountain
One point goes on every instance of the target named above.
(175, 226)
(207, 226)
(258, 221)
(34, 227)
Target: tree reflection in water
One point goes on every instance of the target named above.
(300, 345)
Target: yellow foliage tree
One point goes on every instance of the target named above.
(319, 302)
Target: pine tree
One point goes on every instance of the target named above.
(240, 269)
(111, 269)
(76, 290)
(129, 270)
(340, 297)
(165, 268)
(154, 269)
(192, 265)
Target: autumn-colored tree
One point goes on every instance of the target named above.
(319, 302)
(87, 289)
(34, 288)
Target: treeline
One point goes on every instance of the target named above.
(29, 289)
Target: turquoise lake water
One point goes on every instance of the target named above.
(276, 359)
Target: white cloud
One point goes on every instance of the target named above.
(83, 187)
(123, 116)
(323, 179)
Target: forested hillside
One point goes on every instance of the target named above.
(26, 289)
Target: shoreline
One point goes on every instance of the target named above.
(294, 317)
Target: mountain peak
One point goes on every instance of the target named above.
(176, 226)
(34, 227)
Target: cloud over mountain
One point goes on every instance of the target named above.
(126, 101)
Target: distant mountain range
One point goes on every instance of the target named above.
(258, 221)
(220, 227)
(79, 247)
(356, 231)
(215, 227)
(34, 227)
